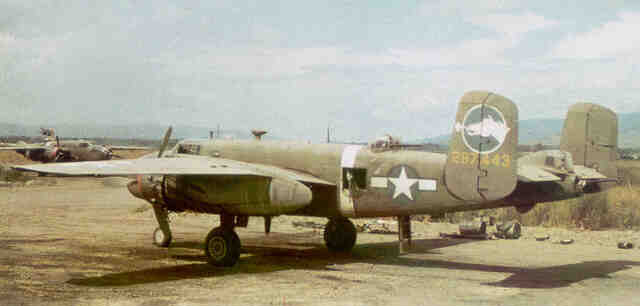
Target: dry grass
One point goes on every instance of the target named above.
(616, 208)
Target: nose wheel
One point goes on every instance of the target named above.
(160, 238)
(340, 235)
(222, 247)
(162, 234)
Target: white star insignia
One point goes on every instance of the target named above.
(403, 185)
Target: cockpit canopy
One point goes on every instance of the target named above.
(188, 147)
(384, 143)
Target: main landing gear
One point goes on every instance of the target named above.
(339, 235)
(404, 234)
(222, 245)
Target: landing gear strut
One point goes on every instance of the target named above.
(340, 235)
(222, 245)
(162, 234)
(404, 233)
(267, 224)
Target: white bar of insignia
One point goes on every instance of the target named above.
(427, 185)
(378, 182)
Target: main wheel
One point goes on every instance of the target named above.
(222, 247)
(160, 239)
(340, 235)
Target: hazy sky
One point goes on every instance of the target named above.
(365, 67)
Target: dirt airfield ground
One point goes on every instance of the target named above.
(83, 241)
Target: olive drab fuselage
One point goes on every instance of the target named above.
(383, 179)
(367, 182)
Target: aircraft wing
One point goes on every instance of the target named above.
(22, 147)
(128, 148)
(170, 166)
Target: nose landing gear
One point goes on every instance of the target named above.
(162, 234)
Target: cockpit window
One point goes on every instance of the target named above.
(384, 144)
(187, 148)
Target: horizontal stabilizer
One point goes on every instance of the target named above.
(529, 173)
(588, 173)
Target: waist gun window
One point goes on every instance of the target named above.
(189, 149)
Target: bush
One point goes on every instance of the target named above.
(6, 174)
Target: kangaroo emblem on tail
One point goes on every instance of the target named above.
(480, 124)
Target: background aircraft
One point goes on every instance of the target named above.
(237, 179)
(55, 150)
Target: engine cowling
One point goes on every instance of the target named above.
(47, 155)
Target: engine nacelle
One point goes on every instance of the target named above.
(49, 154)
(241, 195)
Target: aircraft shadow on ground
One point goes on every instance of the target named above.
(261, 258)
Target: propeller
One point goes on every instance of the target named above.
(59, 154)
(165, 141)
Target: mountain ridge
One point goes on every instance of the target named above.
(531, 131)
(547, 131)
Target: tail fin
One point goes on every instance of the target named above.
(590, 134)
(481, 163)
(49, 134)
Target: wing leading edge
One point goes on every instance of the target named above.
(170, 166)
(27, 147)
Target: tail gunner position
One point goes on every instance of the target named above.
(238, 179)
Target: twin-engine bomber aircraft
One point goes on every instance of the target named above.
(237, 179)
(55, 150)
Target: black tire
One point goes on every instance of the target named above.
(340, 235)
(222, 247)
(160, 239)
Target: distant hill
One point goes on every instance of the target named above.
(547, 131)
(150, 132)
(533, 131)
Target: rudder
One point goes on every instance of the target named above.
(481, 162)
(590, 134)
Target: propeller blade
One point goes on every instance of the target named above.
(165, 141)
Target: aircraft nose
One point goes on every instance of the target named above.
(135, 187)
